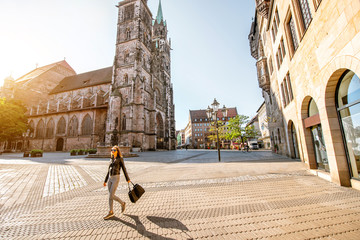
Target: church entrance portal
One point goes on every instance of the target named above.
(60, 144)
(159, 132)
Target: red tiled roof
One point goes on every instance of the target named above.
(201, 114)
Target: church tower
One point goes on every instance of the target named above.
(162, 75)
(140, 104)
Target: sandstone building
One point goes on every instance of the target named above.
(308, 63)
(129, 103)
(197, 131)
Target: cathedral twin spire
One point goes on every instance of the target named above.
(159, 16)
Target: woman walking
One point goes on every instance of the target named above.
(112, 179)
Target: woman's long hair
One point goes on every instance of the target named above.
(118, 150)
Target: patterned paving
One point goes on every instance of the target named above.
(62, 201)
(62, 178)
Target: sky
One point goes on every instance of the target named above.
(210, 57)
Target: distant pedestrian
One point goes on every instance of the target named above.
(186, 146)
(112, 179)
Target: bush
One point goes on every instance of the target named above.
(73, 152)
(92, 151)
(36, 153)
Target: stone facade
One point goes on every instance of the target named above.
(130, 103)
(304, 49)
(264, 126)
(197, 131)
(141, 106)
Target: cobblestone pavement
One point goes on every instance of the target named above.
(189, 195)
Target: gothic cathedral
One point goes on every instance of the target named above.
(141, 109)
(128, 104)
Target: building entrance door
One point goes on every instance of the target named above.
(294, 141)
(60, 144)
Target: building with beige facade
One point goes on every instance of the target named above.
(197, 130)
(308, 63)
(263, 127)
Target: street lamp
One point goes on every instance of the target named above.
(212, 114)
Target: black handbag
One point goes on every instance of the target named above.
(136, 192)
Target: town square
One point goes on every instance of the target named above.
(160, 119)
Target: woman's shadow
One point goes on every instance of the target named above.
(160, 221)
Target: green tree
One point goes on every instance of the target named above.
(221, 129)
(238, 131)
(13, 121)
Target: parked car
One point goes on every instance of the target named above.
(253, 145)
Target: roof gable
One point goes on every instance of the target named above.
(88, 79)
(38, 71)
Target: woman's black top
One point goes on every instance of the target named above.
(114, 168)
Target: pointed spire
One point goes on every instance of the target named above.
(159, 16)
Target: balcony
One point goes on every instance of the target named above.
(262, 7)
(263, 74)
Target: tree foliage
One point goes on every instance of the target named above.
(13, 121)
(221, 129)
(237, 129)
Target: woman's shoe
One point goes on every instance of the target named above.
(123, 207)
(110, 215)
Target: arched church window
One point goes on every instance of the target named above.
(50, 129)
(31, 128)
(123, 122)
(87, 125)
(61, 126)
(128, 34)
(40, 129)
(126, 79)
(73, 127)
(158, 96)
(126, 57)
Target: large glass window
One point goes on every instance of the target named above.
(318, 139)
(348, 103)
(313, 109)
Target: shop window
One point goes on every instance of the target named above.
(313, 123)
(348, 106)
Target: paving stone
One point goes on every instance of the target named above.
(52, 200)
